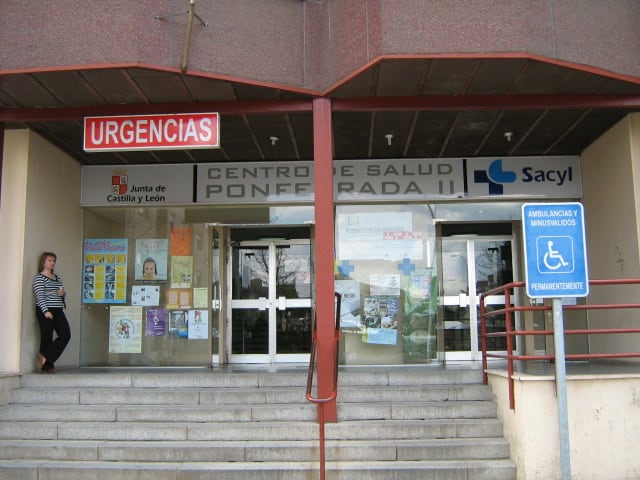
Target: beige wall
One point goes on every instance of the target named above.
(12, 226)
(611, 183)
(40, 211)
(603, 426)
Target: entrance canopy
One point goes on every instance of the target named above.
(417, 107)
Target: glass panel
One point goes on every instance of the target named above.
(249, 331)
(386, 271)
(293, 273)
(455, 271)
(457, 336)
(164, 327)
(493, 268)
(251, 272)
(493, 264)
(216, 288)
(293, 330)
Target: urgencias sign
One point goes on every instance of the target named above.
(152, 132)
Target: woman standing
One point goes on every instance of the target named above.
(50, 302)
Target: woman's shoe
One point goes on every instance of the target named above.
(41, 360)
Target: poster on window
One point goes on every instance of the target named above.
(180, 241)
(125, 329)
(181, 272)
(350, 315)
(381, 313)
(420, 307)
(178, 323)
(145, 295)
(151, 259)
(198, 324)
(378, 236)
(104, 277)
(156, 322)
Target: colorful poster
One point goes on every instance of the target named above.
(105, 270)
(180, 241)
(181, 272)
(198, 324)
(179, 298)
(151, 259)
(125, 329)
(381, 319)
(178, 326)
(420, 312)
(156, 322)
(145, 295)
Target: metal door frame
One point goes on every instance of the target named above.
(270, 303)
(471, 300)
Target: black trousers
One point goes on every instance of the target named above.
(52, 349)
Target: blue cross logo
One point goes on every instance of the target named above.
(345, 268)
(495, 176)
(406, 266)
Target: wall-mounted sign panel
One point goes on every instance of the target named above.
(524, 177)
(152, 132)
(353, 180)
(400, 180)
(137, 185)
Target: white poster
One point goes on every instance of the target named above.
(125, 329)
(378, 236)
(145, 295)
(198, 324)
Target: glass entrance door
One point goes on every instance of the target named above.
(470, 267)
(270, 302)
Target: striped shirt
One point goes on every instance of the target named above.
(46, 292)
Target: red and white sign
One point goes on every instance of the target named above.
(152, 132)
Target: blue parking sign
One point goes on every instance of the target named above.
(555, 250)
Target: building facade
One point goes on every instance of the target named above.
(376, 148)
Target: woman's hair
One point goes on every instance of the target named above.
(43, 257)
(150, 260)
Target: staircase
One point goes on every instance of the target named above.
(394, 424)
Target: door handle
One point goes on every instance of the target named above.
(463, 300)
(262, 303)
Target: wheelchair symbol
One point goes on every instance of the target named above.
(555, 254)
(553, 260)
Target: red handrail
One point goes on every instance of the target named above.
(321, 402)
(511, 331)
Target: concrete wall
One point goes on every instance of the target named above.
(40, 211)
(604, 426)
(12, 225)
(54, 223)
(313, 44)
(611, 185)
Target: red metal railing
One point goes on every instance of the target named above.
(321, 402)
(512, 332)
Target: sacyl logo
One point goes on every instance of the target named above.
(495, 176)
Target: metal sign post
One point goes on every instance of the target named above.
(556, 267)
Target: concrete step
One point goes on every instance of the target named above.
(394, 424)
(252, 431)
(244, 451)
(397, 470)
(243, 413)
(241, 395)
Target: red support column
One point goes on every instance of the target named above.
(324, 249)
